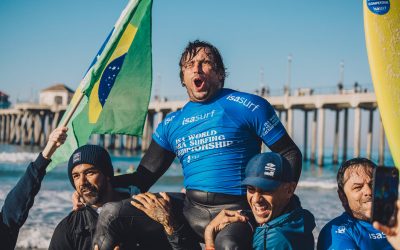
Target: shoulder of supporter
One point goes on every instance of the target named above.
(62, 235)
(338, 230)
(296, 214)
(81, 223)
(295, 228)
(278, 241)
(78, 221)
(288, 231)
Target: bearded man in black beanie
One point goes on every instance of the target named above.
(90, 172)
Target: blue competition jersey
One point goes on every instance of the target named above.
(215, 140)
(346, 232)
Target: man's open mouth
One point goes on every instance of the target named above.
(198, 82)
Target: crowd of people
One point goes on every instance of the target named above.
(235, 197)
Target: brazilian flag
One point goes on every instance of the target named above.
(117, 85)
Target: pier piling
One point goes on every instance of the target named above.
(321, 135)
(357, 131)
(305, 143)
(336, 139)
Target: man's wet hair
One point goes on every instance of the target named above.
(352, 163)
(191, 51)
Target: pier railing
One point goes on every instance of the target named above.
(32, 123)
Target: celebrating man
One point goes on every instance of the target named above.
(281, 222)
(214, 136)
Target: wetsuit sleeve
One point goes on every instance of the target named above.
(288, 149)
(20, 199)
(152, 166)
(331, 238)
(61, 239)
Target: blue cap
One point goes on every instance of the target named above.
(267, 171)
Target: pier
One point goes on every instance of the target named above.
(32, 123)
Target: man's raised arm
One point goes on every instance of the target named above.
(20, 199)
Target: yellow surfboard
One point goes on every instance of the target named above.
(382, 35)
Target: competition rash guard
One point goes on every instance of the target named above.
(346, 232)
(215, 140)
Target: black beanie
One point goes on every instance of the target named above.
(91, 154)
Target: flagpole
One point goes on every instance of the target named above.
(51, 146)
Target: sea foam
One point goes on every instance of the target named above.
(17, 157)
(324, 184)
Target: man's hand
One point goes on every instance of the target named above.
(77, 202)
(223, 219)
(58, 137)
(158, 209)
(392, 233)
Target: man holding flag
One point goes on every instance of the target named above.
(20, 199)
(213, 136)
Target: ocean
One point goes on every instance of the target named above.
(316, 189)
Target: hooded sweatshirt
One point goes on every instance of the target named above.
(291, 230)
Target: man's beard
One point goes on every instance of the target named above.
(94, 196)
(364, 212)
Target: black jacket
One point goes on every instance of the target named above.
(75, 231)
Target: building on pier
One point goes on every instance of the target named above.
(4, 103)
(58, 94)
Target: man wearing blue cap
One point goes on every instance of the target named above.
(281, 221)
